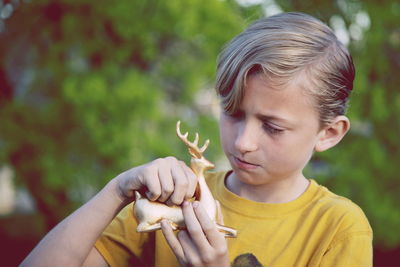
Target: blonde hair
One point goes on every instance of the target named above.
(282, 47)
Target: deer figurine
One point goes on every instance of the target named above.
(150, 213)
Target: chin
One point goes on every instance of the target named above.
(246, 177)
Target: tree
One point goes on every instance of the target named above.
(90, 89)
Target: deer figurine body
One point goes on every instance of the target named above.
(150, 213)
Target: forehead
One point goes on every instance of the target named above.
(290, 102)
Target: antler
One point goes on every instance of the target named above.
(194, 150)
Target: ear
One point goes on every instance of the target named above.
(331, 134)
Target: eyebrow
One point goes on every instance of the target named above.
(274, 118)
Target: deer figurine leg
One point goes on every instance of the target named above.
(227, 231)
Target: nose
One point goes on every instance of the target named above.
(246, 139)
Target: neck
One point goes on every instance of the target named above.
(205, 197)
(281, 191)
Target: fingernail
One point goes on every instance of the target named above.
(195, 204)
(150, 195)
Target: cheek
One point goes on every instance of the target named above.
(226, 131)
(293, 152)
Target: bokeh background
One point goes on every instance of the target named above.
(91, 88)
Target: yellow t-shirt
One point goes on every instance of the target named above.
(317, 229)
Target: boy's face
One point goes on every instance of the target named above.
(273, 135)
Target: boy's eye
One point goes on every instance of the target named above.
(271, 129)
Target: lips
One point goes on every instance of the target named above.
(242, 164)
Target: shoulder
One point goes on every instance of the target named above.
(344, 214)
(213, 177)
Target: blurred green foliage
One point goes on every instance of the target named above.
(91, 88)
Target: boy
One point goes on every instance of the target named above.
(284, 85)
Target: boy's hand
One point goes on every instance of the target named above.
(201, 244)
(166, 180)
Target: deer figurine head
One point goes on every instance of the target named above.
(199, 164)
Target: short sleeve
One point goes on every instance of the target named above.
(353, 250)
(120, 244)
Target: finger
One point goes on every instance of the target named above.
(180, 185)
(167, 184)
(172, 241)
(194, 228)
(214, 237)
(152, 182)
(191, 178)
(192, 257)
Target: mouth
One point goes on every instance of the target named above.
(242, 164)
